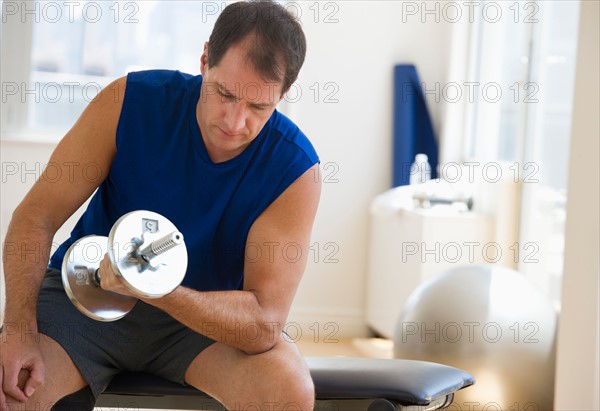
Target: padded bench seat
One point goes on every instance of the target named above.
(366, 383)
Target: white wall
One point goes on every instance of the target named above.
(352, 136)
(577, 373)
(22, 163)
(354, 140)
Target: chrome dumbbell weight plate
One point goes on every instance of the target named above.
(80, 263)
(147, 253)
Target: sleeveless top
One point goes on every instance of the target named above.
(162, 165)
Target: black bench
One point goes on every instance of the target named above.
(341, 384)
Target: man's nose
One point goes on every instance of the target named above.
(235, 117)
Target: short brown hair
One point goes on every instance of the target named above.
(278, 39)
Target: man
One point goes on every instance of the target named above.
(213, 155)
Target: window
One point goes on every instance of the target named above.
(58, 55)
(530, 57)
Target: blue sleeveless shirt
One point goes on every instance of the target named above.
(162, 165)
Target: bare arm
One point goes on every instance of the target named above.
(252, 319)
(50, 202)
(43, 210)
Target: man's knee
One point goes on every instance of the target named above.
(79, 401)
(299, 396)
(35, 402)
(297, 388)
(42, 400)
(290, 376)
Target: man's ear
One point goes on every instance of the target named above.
(204, 60)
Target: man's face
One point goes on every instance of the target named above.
(235, 103)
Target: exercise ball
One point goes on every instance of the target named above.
(490, 321)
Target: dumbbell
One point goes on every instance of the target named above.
(147, 254)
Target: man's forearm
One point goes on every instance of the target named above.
(231, 317)
(26, 250)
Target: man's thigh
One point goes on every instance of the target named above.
(147, 339)
(270, 380)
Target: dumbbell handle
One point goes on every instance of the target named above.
(96, 277)
(163, 244)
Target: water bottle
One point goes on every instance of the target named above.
(420, 170)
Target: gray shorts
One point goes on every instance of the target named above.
(147, 339)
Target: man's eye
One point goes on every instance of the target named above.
(227, 97)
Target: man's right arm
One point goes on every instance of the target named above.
(49, 203)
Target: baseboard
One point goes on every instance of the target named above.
(325, 324)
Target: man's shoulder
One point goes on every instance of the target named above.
(291, 135)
